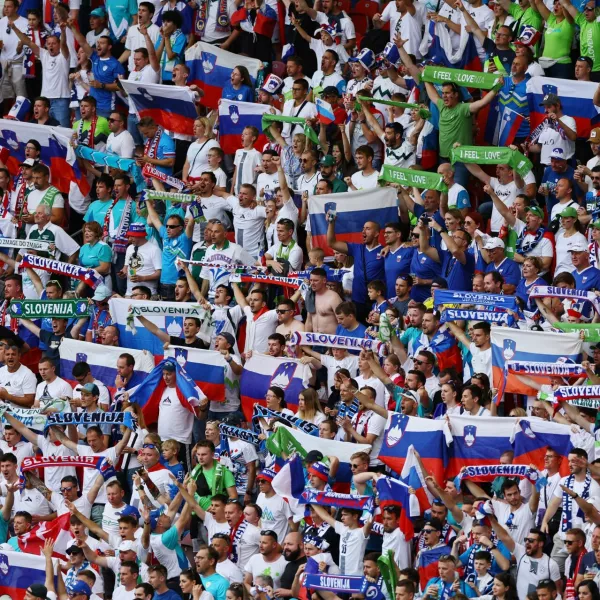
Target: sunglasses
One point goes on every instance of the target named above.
(280, 311)
(427, 531)
(529, 540)
(172, 226)
(65, 489)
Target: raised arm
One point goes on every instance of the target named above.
(540, 7)
(458, 333)
(324, 514)
(432, 92)
(64, 440)
(331, 241)
(502, 534)
(64, 47)
(154, 62)
(31, 326)
(239, 296)
(155, 330)
(25, 39)
(153, 217)
(471, 22)
(22, 429)
(504, 210)
(93, 527)
(479, 104)
(371, 120)
(425, 246)
(80, 38)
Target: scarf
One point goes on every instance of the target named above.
(91, 133)
(156, 309)
(567, 501)
(574, 392)
(289, 282)
(472, 79)
(112, 160)
(37, 245)
(5, 205)
(289, 420)
(168, 196)
(492, 156)
(218, 480)
(151, 172)
(410, 177)
(311, 496)
(236, 537)
(126, 419)
(14, 322)
(119, 241)
(500, 318)
(151, 145)
(49, 309)
(542, 369)
(30, 59)
(348, 410)
(241, 434)
(308, 338)
(524, 247)
(222, 21)
(490, 472)
(34, 418)
(591, 332)
(498, 301)
(346, 584)
(73, 572)
(548, 291)
(88, 276)
(21, 202)
(101, 463)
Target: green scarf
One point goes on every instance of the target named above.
(423, 112)
(309, 132)
(591, 331)
(418, 179)
(472, 79)
(482, 155)
(387, 567)
(48, 309)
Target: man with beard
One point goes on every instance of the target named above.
(293, 552)
(328, 81)
(327, 172)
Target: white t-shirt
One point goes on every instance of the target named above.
(362, 182)
(148, 75)
(231, 254)
(19, 383)
(295, 254)
(175, 422)
(120, 593)
(545, 246)
(110, 518)
(89, 475)
(368, 422)
(352, 549)
(507, 192)
(258, 566)
(376, 385)
(402, 549)
(333, 366)
(241, 453)
(21, 450)
(82, 504)
(55, 75)
(31, 501)
(147, 260)
(521, 522)
(249, 225)
(58, 388)
(230, 571)
(481, 360)
(232, 387)
(407, 26)
(564, 263)
(121, 144)
(248, 545)
(551, 138)
(10, 40)
(307, 110)
(530, 571)
(484, 17)
(245, 162)
(593, 497)
(135, 40)
(53, 475)
(275, 514)
(213, 526)
(197, 157)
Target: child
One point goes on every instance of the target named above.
(326, 38)
(247, 158)
(376, 293)
(215, 158)
(480, 582)
(170, 451)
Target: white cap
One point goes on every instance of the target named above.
(558, 153)
(126, 545)
(494, 242)
(578, 247)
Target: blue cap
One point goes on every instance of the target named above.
(154, 514)
(129, 511)
(98, 12)
(79, 587)
(137, 230)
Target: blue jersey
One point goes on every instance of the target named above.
(369, 260)
(173, 248)
(458, 276)
(397, 263)
(509, 269)
(551, 177)
(423, 267)
(522, 292)
(588, 279)
(105, 70)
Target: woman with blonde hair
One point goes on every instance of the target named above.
(196, 160)
(138, 438)
(309, 408)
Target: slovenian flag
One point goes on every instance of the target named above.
(19, 571)
(205, 367)
(172, 107)
(149, 393)
(509, 126)
(576, 98)
(437, 45)
(392, 492)
(234, 117)
(210, 69)
(413, 476)
(325, 112)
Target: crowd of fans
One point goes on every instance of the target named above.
(181, 519)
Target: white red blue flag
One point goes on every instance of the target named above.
(18, 571)
(234, 117)
(509, 126)
(412, 475)
(210, 69)
(325, 111)
(392, 492)
(172, 107)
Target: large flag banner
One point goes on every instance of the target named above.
(525, 345)
(57, 530)
(142, 339)
(205, 367)
(393, 492)
(102, 361)
(479, 441)
(234, 117)
(18, 571)
(426, 436)
(379, 205)
(263, 371)
(576, 98)
(57, 153)
(210, 69)
(437, 45)
(531, 438)
(172, 107)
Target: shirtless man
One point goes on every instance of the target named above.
(287, 323)
(326, 301)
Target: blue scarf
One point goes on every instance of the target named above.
(477, 298)
(567, 501)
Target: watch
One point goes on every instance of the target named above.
(103, 86)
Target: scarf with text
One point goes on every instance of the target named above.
(236, 537)
(575, 392)
(182, 198)
(591, 331)
(567, 502)
(485, 155)
(458, 314)
(89, 276)
(126, 419)
(348, 410)
(91, 132)
(156, 309)
(241, 434)
(490, 472)
(477, 298)
(104, 159)
(311, 496)
(523, 247)
(472, 79)
(289, 282)
(93, 462)
(340, 584)
(38, 245)
(48, 309)
(38, 37)
(544, 369)
(21, 202)
(548, 291)
(151, 172)
(410, 177)
(289, 420)
(222, 21)
(308, 338)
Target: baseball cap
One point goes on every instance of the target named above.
(494, 242)
(98, 12)
(586, 59)
(440, 282)
(313, 456)
(129, 511)
(169, 366)
(327, 161)
(74, 549)
(578, 247)
(550, 99)
(435, 524)
(320, 470)
(594, 135)
(266, 474)
(30, 162)
(90, 388)
(568, 212)
(102, 293)
(228, 337)
(536, 210)
(330, 90)
(558, 153)
(79, 587)
(595, 224)
(126, 546)
(38, 590)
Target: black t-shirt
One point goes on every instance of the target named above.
(197, 343)
(287, 577)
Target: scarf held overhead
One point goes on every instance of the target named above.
(89, 276)
(459, 314)
(544, 369)
(492, 156)
(476, 298)
(309, 338)
(43, 309)
(150, 310)
(38, 245)
(490, 472)
(113, 418)
(410, 177)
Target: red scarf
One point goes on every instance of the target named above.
(91, 131)
(151, 145)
